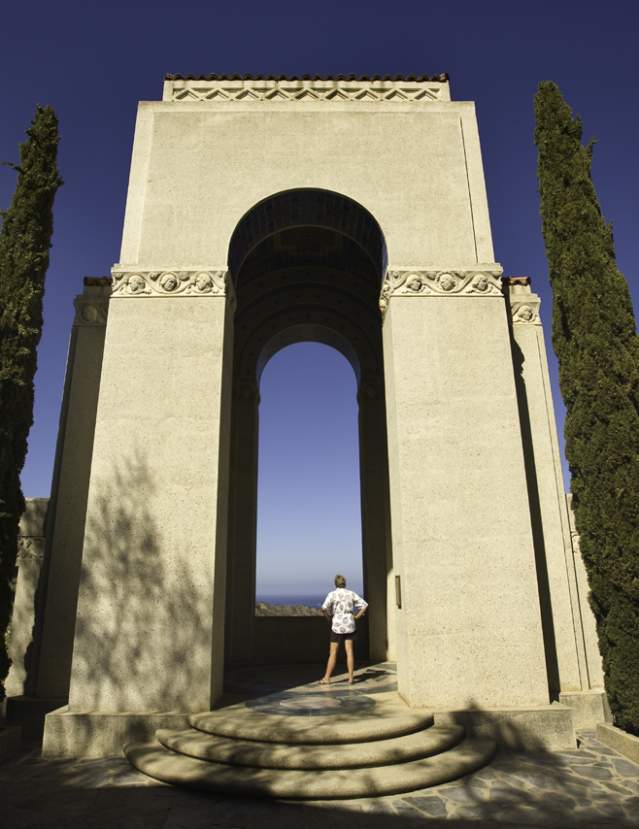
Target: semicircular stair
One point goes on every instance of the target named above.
(254, 750)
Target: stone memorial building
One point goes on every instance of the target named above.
(261, 212)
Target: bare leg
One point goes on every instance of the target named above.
(330, 665)
(350, 659)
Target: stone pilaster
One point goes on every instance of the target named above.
(70, 486)
(555, 568)
(151, 600)
(469, 630)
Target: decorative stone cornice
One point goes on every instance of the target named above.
(414, 283)
(141, 283)
(309, 89)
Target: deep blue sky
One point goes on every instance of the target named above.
(93, 62)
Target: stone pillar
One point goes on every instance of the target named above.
(572, 655)
(151, 592)
(240, 611)
(375, 508)
(69, 489)
(555, 569)
(469, 631)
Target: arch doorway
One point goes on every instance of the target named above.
(307, 266)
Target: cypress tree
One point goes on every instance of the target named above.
(594, 336)
(25, 239)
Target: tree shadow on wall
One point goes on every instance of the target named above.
(143, 632)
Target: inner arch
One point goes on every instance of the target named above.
(309, 512)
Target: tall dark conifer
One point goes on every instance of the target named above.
(594, 336)
(25, 239)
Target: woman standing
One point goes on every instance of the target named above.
(342, 608)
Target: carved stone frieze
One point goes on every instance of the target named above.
(440, 283)
(169, 283)
(306, 90)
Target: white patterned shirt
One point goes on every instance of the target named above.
(340, 604)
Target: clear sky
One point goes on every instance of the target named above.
(93, 62)
(308, 509)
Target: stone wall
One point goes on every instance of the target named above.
(30, 559)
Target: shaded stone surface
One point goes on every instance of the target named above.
(552, 790)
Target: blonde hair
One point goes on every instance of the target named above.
(340, 581)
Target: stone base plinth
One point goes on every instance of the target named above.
(538, 728)
(588, 708)
(72, 734)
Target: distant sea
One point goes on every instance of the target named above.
(306, 599)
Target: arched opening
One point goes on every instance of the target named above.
(308, 493)
(307, 266)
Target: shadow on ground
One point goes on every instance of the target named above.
(590, 786)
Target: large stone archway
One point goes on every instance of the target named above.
(306, 265)
(151, 538)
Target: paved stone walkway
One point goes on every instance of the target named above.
(591, 786)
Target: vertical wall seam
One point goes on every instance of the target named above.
(470, 195)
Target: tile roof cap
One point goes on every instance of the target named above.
(441, 78)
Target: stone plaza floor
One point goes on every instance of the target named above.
(588, 786)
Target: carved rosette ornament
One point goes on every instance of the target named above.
(91, 312)
(170, 283)
(30, 548)
(525, 313)
(440, 283)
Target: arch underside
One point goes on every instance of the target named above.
(307, 208)
(305, 284)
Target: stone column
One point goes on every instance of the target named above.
(151, 593)
(468, 632)
(70, 488)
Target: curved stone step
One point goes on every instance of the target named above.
(158, 762)
(383, 721)
(279, 756)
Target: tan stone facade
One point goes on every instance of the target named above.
(353, 212)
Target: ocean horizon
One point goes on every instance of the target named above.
(305, 599)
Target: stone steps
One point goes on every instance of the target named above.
(271, 755)
(383, 721)
(313, 745)
(162, 764)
